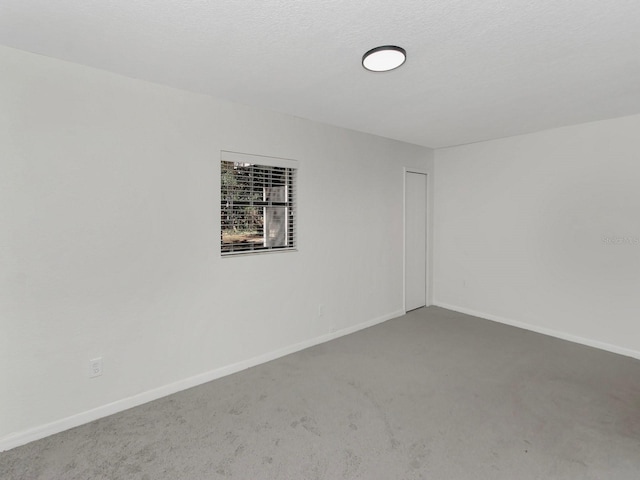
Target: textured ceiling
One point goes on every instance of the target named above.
(475, 70)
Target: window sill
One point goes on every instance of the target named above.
(263, 252)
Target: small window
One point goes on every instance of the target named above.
(257, 203)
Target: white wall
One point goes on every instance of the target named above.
(523, 230)
(109, 241)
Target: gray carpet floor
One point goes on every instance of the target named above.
(431, 395)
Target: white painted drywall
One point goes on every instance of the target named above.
(110, 231)
(543, 230)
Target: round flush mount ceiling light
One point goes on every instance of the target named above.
(383, 59)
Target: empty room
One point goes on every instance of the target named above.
(319, 240)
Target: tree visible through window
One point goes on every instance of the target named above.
(257, 203)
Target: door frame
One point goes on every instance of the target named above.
(424, 172)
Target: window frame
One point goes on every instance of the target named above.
(291, 202)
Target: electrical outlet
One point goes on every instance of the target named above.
(321, 310)
(95, 367)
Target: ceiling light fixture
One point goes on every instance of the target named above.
(383, 59)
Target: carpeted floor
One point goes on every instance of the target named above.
(431, 395)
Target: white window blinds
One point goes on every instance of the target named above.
(257, 203)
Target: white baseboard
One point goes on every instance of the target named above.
(20, 438)
(546, 331)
